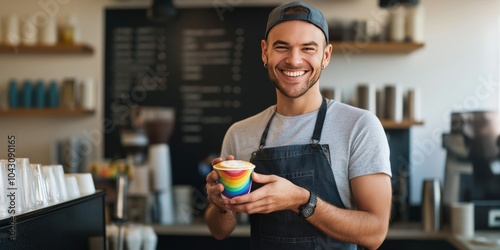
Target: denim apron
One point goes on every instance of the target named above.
(307, 166)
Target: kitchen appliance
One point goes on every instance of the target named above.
(158, 124)
(472, 171)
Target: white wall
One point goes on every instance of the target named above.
(461, 53)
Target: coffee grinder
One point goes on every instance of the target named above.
(472, 171)
(158, 124)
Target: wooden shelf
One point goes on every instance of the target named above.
(45, 112)
(41, 49)
(389, 124)
(376, 47)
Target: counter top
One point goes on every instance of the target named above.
(396, 232)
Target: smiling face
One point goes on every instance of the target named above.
(295, 53)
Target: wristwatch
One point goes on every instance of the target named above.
(307, 209)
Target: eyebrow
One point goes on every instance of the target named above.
(281, 42)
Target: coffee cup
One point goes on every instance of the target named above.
(235, 176)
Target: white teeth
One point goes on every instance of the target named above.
(293, 73)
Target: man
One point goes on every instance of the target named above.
(322, 176)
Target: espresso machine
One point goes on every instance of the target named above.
(158, 124)
(472, 170)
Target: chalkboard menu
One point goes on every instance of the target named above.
(205, 63)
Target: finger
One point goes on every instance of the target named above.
(255, 195)
(216, 160)
(262, 178)
(229, 157)
(259, 206)
(212, 177)
(214, 191)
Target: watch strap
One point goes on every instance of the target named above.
(307, 209)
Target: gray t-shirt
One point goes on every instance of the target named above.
(357, 141)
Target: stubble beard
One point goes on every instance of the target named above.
(283, 91)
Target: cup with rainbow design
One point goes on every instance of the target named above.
(235, 176)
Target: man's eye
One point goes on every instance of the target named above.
(281, 48)
(309, 49)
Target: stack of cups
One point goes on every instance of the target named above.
(462, 219)
(183, 196)
(40, 190)
(55, 183)
(25, 187)
(4, 198)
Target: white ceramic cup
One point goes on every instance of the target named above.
(133, 237)
(462, 219)
(149, 238)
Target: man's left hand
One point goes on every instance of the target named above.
(276, 194)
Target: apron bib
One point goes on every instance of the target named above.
(307, 166)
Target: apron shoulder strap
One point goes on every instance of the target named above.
(319, 122)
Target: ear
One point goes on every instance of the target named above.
(263, 47)
(327, 55)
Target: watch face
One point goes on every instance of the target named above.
(306, 212)
(308, 209)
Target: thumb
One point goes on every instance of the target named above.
(262, 178)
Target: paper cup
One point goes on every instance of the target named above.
(235, 176)
(85, 183)
(72, 186)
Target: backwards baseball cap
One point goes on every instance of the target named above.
(284, 13)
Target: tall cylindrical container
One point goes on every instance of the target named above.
(415, 23)
(431, 205)
(88, 94)
(48, 32)
(12, 31)
(29, 31)
(397, 24)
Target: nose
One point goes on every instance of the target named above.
(294, 58)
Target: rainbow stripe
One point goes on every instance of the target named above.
(236, 182)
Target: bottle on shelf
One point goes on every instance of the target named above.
(13, 94)
(27, 97)
(53, 95)
(70, 30)
(69, 94)
(39, 94)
